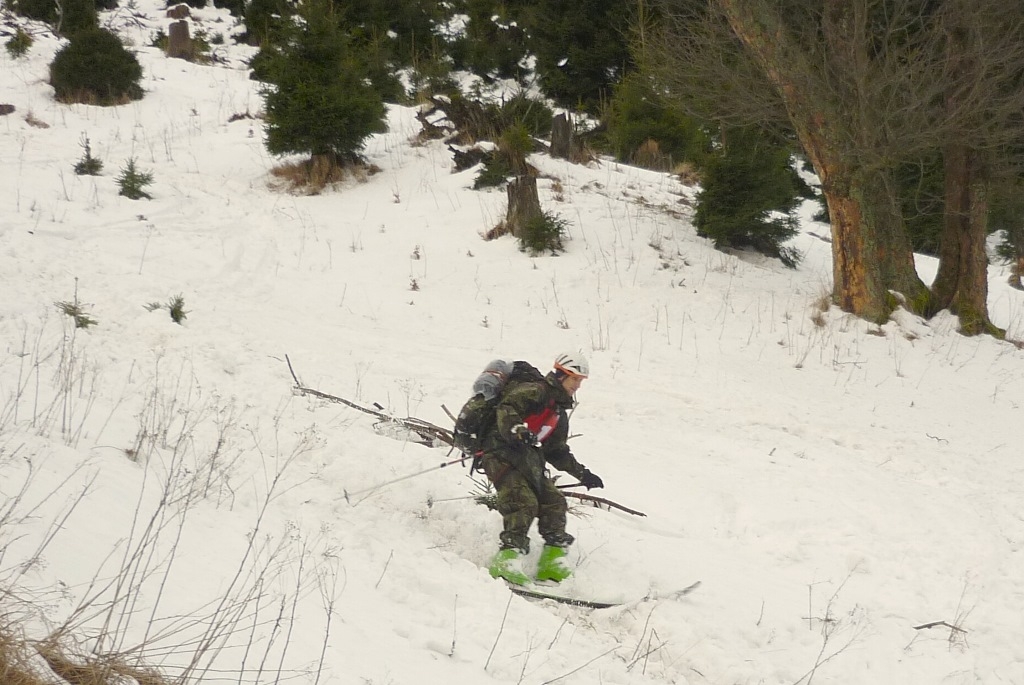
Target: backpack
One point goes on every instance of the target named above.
(477, 415)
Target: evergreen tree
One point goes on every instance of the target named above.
(77, 15)
(67, 17)
(265, 20)
(407, 25)
(318, 100)
(95, 67)
(637, 114)
(581, 47)
(1006, 216)
(749, 193)
(493, 45)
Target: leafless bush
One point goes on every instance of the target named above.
(129, 615)
(848, 629)
(313, 176)
(54, 389)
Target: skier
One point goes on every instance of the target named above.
(530, 431)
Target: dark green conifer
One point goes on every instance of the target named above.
(318, 101)
(95, 68)
(750, 191)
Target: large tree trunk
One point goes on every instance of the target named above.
(870, 250)
(872, 262)
(961, 284)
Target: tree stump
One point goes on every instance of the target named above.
(179, 42)
(523, 203)
(561, 136)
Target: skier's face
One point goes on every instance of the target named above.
(572, 384)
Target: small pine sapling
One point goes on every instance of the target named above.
(88, 165)
(75, 311)
(132, 181)
(18, 44)
(176, 307)
(542, 234)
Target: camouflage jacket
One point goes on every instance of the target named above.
(543, 406)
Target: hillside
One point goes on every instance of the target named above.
(833, 484)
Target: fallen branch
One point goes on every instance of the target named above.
(598, 501)
(427, 431)
(940, 623)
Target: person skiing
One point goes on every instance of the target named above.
(530, 430)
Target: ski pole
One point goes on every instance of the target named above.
(374, 488)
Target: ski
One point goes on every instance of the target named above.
(532, 593)
(571, 601)
(685, 591)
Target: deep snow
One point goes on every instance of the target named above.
(832, 483)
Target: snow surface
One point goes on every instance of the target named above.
(833, 484)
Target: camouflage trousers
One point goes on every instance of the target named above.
(519, 504)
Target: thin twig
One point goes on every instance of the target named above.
(328, 599)
(581, 667)
(644, 632)
(386, 563)
(455, 624)
(500, 629)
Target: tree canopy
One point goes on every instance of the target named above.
(319, 100)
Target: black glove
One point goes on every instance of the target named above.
(523, 435)
(590, 480)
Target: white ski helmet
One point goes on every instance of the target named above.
(573, 364)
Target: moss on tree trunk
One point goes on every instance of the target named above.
(961, 283)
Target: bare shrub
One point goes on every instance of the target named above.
(501, 229)
(819, 310)
(688, 173)
(118, 623)
(650, 156)
(313, 176)
(89, 669)
(16, 665)
(113, 628)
